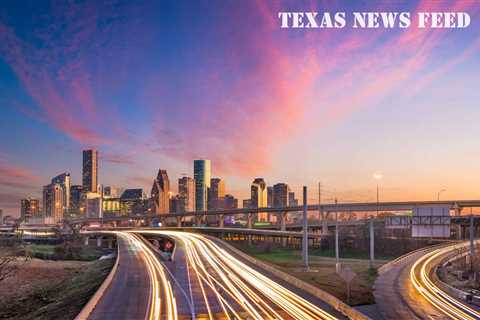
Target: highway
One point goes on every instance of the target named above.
(140, 288)
(204, 281)
(395, 294)
(420, 276)
(221, 286)
(405, 290)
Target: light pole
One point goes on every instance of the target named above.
(337, 253)
(378, 176)
(439, 193)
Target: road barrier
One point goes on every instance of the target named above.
(92, 303)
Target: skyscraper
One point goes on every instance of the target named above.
(90, 170)
(64, 181)
(230, 202)
(258, 197)
(201, 174)
(216, 194)
(292, 202)
(269, 197)
(280, 195)
(258, 193)
(186, 193)
(53, 203)
(160, 193)
(76, 199)
(29, 208)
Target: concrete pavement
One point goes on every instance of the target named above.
(395, 296)
(128, 295)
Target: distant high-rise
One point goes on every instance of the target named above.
(216, 194)
(65, 182)
(186, 193)
(292, 202)
(53, 202)
(258, 197)
(133, 202)
(246, 203)
(269, 197)
(230, 202)
(93, 205)
(160, 193)
(29, 208)
(280, 195)
(90, 170)
(76, 199)
(258, 193)
(201, 174)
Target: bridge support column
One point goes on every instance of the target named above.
(324, 216)
(250, 220)
(179, 222)
(283, 226)
(472, 236)
(372, 243)
(459, 232)
(250, 226)
(99, 241)
(221, 221)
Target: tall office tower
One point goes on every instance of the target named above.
(258, 197)
(201, 174)
(269, 197)
(64, 181)
(216, 194)
(53, 203)
(160, 193)
(133, 202)
(230, 202)
(246, 203)
(280, 195)
(29, 208)
(76, 198)
(175, 203)
(90, 170)
(258, 193)
(292, 202)
(93, 205)
(186, 193)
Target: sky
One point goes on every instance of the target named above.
(156, 84)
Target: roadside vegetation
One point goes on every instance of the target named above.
(49, 281)
(55, 290)
(322, 273)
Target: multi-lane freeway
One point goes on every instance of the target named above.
(207, 280)
(204, 281)
(140, 288)
(406, 288)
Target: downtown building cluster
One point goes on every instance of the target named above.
(62, 199)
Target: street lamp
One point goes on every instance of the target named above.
(439, 193)
(378, 176)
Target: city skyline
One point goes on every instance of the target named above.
(389, 101)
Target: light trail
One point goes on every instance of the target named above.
(432, 293)
(160, 284)
(233, 289)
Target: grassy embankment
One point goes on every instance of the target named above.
(56, 287)
(322, 272)
(59, 298)
(61, 252)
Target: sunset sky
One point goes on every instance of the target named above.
(159, 83)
